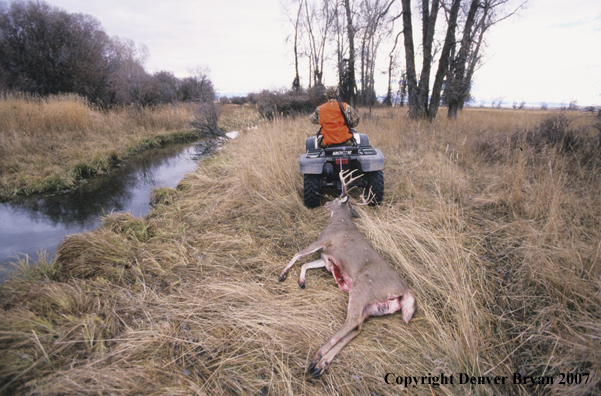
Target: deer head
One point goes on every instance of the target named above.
(344, 202)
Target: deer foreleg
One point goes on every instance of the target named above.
(314, 264)
(312, 248)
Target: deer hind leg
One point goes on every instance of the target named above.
(317, 369)
(352, 326)
(312, 248)
(314, 264)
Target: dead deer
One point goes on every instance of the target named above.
(374, 287)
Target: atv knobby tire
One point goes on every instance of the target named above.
(311, 191)
(375, 181)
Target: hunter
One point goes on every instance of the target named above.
(334, 129)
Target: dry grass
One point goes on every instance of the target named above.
(49, 144)
(500, 242)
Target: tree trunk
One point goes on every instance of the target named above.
(351, 40)
(443, 63)
(362, 68)
(474, 57)
(428, 26)
(413, 103)
(388, 100)
(457, 87)
(296, 82)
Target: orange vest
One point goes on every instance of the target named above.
(333, 128)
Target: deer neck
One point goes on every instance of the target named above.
(341, 216)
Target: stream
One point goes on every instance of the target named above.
(32, 225)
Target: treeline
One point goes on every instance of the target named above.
(46, 51)
(283, 102)
(368, 36)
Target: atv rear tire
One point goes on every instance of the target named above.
(311, 191)
(375, 181)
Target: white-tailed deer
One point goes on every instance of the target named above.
(374, 287)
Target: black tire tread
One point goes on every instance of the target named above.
(375, 180)
(311, 191)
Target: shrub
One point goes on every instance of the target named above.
(270, 103)
(556, 131)
(205, 120)
(238, 100)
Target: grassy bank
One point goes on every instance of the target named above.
(49, 144)
(498, 234)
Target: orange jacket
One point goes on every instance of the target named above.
(333, 128)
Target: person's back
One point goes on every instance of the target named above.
(333, 127)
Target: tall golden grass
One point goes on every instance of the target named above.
(49, 144)
(498, 238)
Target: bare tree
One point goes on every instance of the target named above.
(411, 74)
(457, 60)
(391, 66)
(198, 87)
(351, 88)
(45, 50)
(344, 51)
(128, 80)
(402, 92)
(456, 85)
(443, 62)
(429, 16)
(375, 27)
(205, 120)
(481, 16)
(297, 24)
(164, 88)
(418, 95)
(317, 23)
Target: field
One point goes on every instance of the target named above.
(494, 220)
(52, 144)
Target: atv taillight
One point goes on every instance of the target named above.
(341, 161)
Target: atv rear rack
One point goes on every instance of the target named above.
(342, 151)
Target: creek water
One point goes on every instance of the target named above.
(33, 225)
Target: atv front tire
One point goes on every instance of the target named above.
(311, 191)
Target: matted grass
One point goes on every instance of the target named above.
(498, 239)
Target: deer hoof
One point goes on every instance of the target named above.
(283, 277)
(317, 373)
(301, 284)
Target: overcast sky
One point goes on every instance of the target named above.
(550, 52)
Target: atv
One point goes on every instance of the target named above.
(321, 166)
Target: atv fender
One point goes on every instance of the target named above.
(372, 163)
(311, 166)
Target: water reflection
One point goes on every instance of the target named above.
(30, 225)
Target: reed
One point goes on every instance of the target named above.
(498, 238)
(50, 144)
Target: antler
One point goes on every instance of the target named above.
(344, 175)
(366, 201)
(345, 182)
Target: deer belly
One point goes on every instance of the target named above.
(342, 279)
(384, 307)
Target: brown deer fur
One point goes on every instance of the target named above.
(374, 287)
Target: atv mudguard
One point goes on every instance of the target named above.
(314, 165)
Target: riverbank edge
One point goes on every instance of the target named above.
(72, 178)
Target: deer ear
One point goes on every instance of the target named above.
(344, 199)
